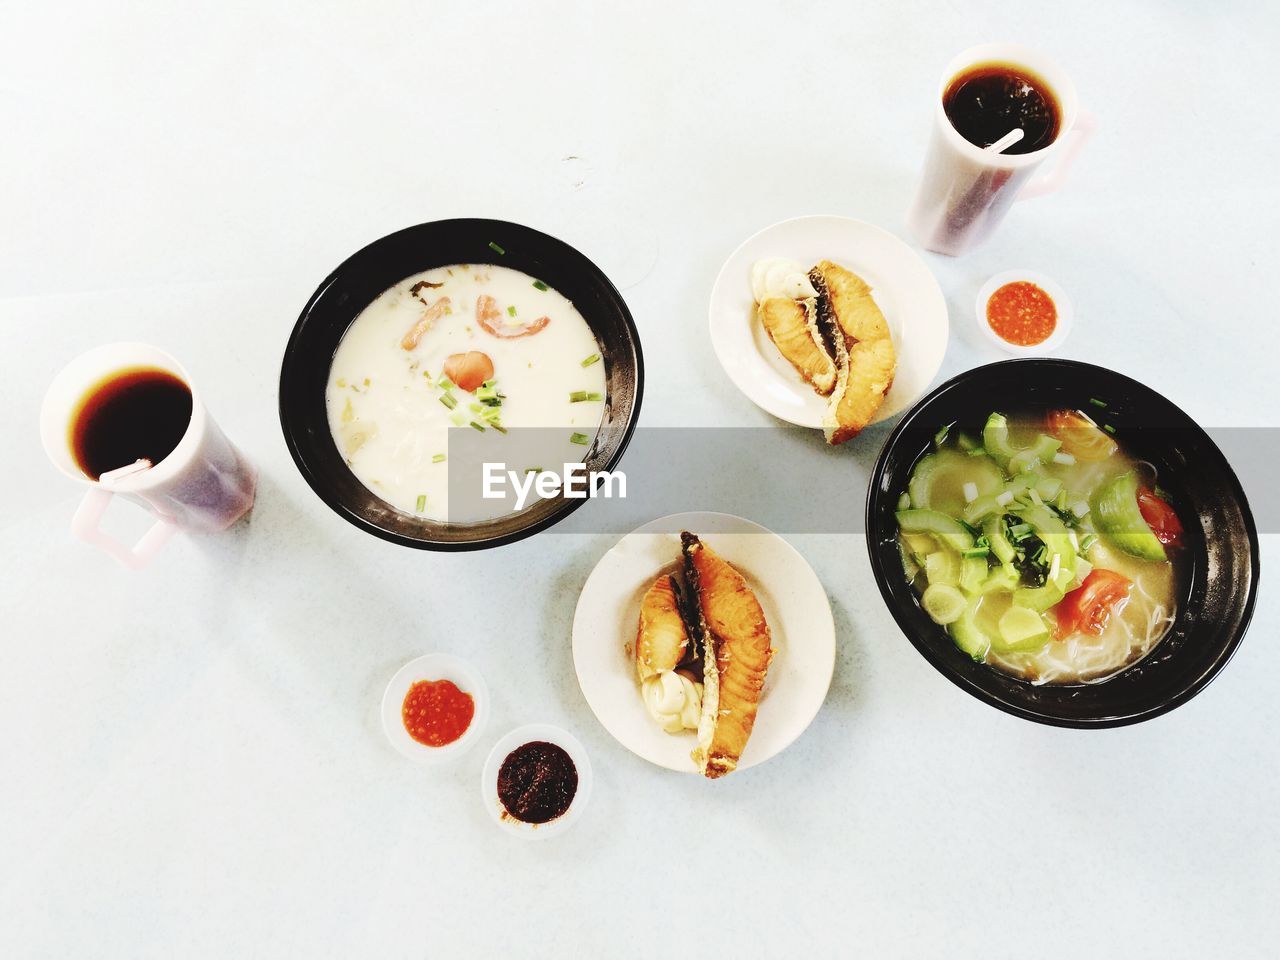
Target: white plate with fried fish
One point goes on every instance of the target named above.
(895, 288)
(751, 638)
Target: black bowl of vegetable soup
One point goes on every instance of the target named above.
(451, 343)
(1063, 543)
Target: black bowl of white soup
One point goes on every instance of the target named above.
(456, 385)
(1063, 543)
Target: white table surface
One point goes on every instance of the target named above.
(192, 762)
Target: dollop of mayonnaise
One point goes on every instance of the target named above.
(673, 700)
(780, 277)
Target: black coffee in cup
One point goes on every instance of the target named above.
(134, 414)
(986, 101)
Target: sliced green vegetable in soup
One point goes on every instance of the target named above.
(1041, 546)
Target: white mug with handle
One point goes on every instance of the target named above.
(205, 484)
(966, 191)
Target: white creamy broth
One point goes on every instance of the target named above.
(383, 395)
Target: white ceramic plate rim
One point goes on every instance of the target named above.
(1049, 286)
(530, 732)
(433, 666)
(796, 606)
(903, 287)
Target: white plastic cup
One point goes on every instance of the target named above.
(966, 191)
(205, 484)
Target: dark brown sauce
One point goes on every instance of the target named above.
(140, 413)
(537, 782)
(988, 100)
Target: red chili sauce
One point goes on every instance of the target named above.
(1022, 314)
(436, 712)
(537, 782)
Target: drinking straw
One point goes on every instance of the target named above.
(111, 476)
(1007, 141)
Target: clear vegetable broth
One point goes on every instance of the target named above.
(1065, 499)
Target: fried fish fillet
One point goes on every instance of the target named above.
(738, 650)
(794, 330)
(865, 356)
(661, 640)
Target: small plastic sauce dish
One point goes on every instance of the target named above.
(434, 666)
(536, 733)
(1062, 305)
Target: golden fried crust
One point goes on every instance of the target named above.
(870, 375)
(865, 362)
(661, 639)
(740, 637)
(793, 331)
(855, 308)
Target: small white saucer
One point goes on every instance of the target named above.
(1060, 300)
(531, 733)
(433, 666)
(901, 284)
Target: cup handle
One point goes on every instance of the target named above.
(88, 517)
(1079, 133)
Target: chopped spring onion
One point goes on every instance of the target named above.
(977, 452)
(1004, 497)
(581, 439)
(1100, 404)
(511, 310)
(478, 426)
(577, 396)
(1019, 530)
(943, 603)
(970, 492)
(539, 285)
(497, 249)
(445, 383)
(594, 358)
(448, 400)
(940, 437)
(975, 552)
(1109, 428)
(1080, 508)
(422, 503)
(532, 469)
(459, 418)
(1088, 542)
(1065, 459)
(475, 407)
(499, 427)
(438, 458)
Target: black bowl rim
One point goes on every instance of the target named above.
(567, 506)
(1201, 681)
